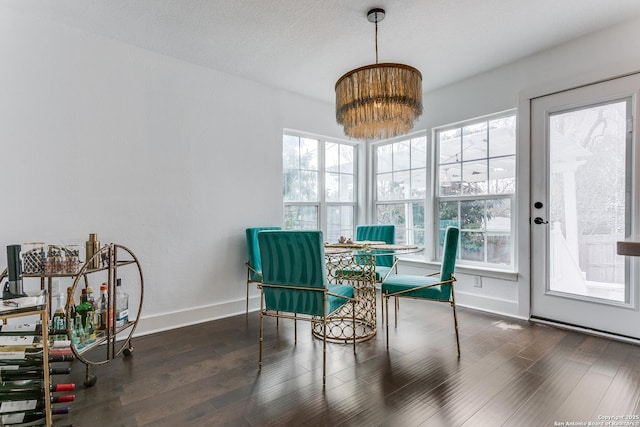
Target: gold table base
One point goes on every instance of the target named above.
(358, 271)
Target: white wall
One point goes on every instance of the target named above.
(175, 161)
(598, 56)
(169, 159)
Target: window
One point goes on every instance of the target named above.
(476, 182)
(400, 172)
(319, 185)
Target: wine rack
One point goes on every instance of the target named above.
(33, 305)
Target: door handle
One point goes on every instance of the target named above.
(539, 220)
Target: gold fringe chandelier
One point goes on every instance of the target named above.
(378, 101)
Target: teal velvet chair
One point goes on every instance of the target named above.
(254, 264)
(435, 287)
(294, 282)
(379, 233)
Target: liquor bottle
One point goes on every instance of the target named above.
(102, 311)
(31, 386)
(89, 329)
(31, 417)
(59, 323)
(18, 403)
(84, 307)
(122, 305)
(72, 309)
(78, 337)
(11, 373)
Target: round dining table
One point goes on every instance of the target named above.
(354, 264)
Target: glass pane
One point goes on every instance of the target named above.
(308, 154)
(339, 223)
(290, 185)
(502, 175)
(391, 214)
(474, 141)
(384, 159)
(499, 215)
(502, 136)
(450, 179)
(415, 225)
(308, 186)
(419, 152)
(472, 214)
(449, 146)
(498, 248)
(418, 183)
(401, 185)
(290, 152)
(588, 211)
(332, 187)
(448, 214)
(301, 217)
(384, 186)
(474, 177)
(472, 246)
(347, 159)
(331, 157)
(447, 217)
(401, 155)
(346, 188)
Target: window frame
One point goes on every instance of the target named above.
(462, 197)
(407, 201)
(321, 204)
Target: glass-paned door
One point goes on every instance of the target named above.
(583, 196)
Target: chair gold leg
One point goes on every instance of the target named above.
(261, 330)
(246, 312)
(455, 319)
(324, 350)
(382, 306)
(386, 303)
(395, 311)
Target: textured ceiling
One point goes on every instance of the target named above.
(305, 45)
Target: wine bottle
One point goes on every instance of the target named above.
(11, 373)
(19, 403)
(27, 386)
(31, 417)
(20, 340)
(24, 358)
(21, 329)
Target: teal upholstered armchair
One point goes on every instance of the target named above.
(294, 282)
(379, 233)
(254, 264)
(437, 287)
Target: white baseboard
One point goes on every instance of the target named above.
(490, 305)
(177, 319)
(151, 324)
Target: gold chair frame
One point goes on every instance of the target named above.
(451, 301)
(295, 317)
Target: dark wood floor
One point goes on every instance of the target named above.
(511, 373)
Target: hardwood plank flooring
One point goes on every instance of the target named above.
(511, 373)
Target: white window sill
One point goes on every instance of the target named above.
(463, 269)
